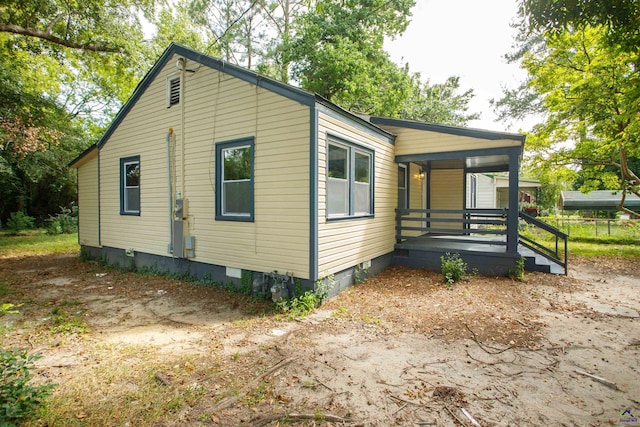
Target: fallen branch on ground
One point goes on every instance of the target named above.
(454, 415)
(468, 415)
(482, 346)
(263, 421)
(225, 403)
(601, 380)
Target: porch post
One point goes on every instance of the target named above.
(512, 216)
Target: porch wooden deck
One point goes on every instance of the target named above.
(453, 243)
(487, 251)
(482, 236)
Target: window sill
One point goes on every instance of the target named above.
(124, 213)
(234, 218)
(349, 218)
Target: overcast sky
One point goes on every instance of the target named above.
(466, 38)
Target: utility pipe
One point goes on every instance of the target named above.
(170, 190)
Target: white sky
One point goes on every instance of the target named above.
(465, 38)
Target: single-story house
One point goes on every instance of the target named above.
(213, 170)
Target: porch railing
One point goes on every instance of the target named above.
(549, 242)
(453, 222)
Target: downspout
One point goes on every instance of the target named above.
(170, 191)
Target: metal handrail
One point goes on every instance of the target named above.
(549, 253)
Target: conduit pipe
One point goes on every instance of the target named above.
(170, 191)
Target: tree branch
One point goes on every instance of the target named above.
(33, 32)
(54, 22)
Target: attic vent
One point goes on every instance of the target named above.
(173, 91)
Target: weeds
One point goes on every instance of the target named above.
(518, 272)
(19, 399)
(453, 268)
(360, 273)
(65, 323)
(64, 222)
(8, 308)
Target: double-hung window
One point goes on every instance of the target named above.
(130, 185)
(349, 180)
(234, 180)
(402, 187)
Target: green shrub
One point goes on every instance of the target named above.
(453, 267)
(64, 222)
(304, 303)
(299, 306)
(19, 221)
(18, 398)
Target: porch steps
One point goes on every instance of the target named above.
(536, 262)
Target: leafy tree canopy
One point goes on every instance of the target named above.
(65, 69)
(91, 25)
(338, 53)
(620, 18)
(589, 92)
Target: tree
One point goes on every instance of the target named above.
(174, 24)
(65, 69)
(234, 26)
(589, 91)
(439, 102)
(281, 15)
(38, 136)
(338, 50)
(620, 18)
(91, 25)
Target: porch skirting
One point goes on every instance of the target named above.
(486, 255)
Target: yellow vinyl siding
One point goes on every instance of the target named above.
(88, 221)
(345, 243)
(446, 193)
(217, 108)
(415, 141)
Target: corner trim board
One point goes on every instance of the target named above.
(313, 194)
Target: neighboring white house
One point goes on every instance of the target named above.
(491, 191)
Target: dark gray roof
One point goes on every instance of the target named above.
(297, 94)
(597, 200)
(453, 130)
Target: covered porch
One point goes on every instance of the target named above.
(447, 220)
(436, 211)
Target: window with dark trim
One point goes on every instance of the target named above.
(349, 180)
(402, 187)
(234, 180)
(130, 185)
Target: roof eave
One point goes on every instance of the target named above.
(452, 130)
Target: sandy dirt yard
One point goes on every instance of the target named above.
(400, 349)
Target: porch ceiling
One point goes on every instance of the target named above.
(475, 160)
(495, 163)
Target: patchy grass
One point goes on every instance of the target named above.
(124, 390)
(37, 242)
(591, 249)
(594, 247)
